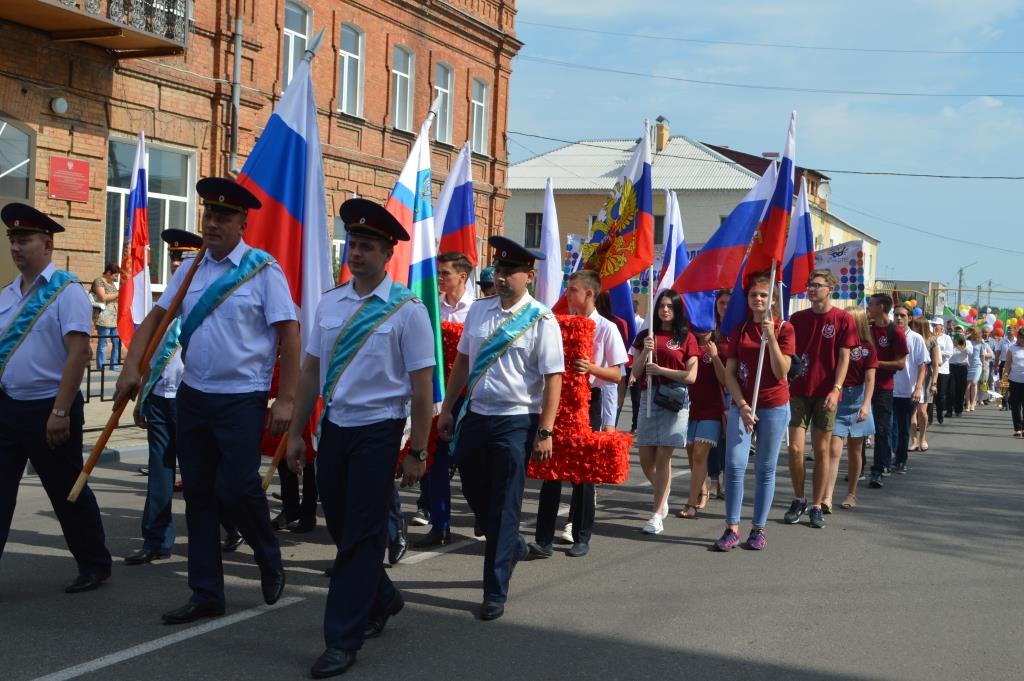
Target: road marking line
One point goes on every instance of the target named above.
(164, 641)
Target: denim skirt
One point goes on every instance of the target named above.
(847, 424)
(663, 428)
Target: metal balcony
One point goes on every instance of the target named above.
(128, 28)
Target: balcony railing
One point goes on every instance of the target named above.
(129, 28)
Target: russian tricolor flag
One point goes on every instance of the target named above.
(700, 306)
(410, 203)
(799, 257)
(769, 246)
(720, 260)
(455, 211)
(134, 299)
(286, 173)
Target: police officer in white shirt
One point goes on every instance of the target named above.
(434, 503)
(237, 318)
(604, 367)
(943, 401)
(366, 355)
(45, 321)
(156, 411)
(511, 356)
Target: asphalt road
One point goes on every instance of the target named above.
(922, 581)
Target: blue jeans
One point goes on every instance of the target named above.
(881, 409)
(157, 522)
(105, 332)
(770, 428)
(902, 417)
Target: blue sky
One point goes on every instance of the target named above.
(981, 134)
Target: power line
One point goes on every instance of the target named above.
(776, 88)
(834, 171)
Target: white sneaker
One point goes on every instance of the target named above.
(664, 509)
(654, 525)
(566, 534)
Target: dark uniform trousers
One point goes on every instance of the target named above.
(293, 507)
(493, 452)
(161, 434)
(438, 481)
(219, 452)
(355, 471)
(881, 410)
(581, 506)
(23, 439)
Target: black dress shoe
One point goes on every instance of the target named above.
(332, 662)
(304, 525)
(231, 543)
(144, 556)
(280, 521)
(398, 547)
(329, 572)
(86, 583)
(190, 612)
(540, 550)
(272, 583)
(375, 623)
(491, 611)
(433, 538)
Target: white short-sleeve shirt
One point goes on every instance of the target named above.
(609, 351)
(234, 349)
(458, 311)
(515, 382)
(376, 385)
(905, 379)
(34, 370)
(167, 385)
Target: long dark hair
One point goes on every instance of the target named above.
(679, 326)
(603, 304)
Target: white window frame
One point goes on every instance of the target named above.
(344, 58)
(443, 129)
(478, 110)
(396, 84)
(159, 250)
(291, 56)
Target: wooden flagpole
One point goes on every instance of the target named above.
(650, 334)
(154, 343)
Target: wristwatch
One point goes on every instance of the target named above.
(544, 433)
(418, 454)
(59, 413)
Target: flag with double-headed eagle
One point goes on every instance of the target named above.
(623, 239)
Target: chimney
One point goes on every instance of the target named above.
(661, 134)
(770, 154)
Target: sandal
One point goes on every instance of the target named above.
(849, 502)
(689, 511)
(826, 507)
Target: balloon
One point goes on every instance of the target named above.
(912, 302)
(998, 323)
(964, 312)
(974, 312)
(990, 318)
(918, 312)
(1012, 321)
(1019, 312)
(989, 328)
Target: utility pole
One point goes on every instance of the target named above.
(990, 293)
(977, 300)
(959, 286)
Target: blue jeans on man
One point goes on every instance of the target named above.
(157, 521)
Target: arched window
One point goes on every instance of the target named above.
(401, 88)
(16, 161)
(444, 92)
(296, 36)
(350, 89)
(478, 117)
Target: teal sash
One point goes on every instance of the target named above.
(496, 345)
(355, 333)
(168, 347)
(220, 290)
(29, 314)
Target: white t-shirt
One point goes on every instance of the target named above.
(962, 355)
(945, 344)
(905, 379)
(1017, 370)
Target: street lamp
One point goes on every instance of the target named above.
(960, 282)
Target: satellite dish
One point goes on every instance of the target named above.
(824, 191)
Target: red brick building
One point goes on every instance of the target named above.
(80, 78)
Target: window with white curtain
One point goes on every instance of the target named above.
(296, 36)
(350, 89)
(478, 117)
(443, 84)
(401, 88)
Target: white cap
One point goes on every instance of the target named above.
(938, 321)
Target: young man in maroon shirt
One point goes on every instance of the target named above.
(892, 347)
(824, 337)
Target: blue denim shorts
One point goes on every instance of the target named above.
(709, 431)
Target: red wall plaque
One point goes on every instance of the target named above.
(69, 179)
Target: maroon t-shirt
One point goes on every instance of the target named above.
(706, 402)
(667, 353)
(819, 337)
(887, 353)
(745, 347)
(862, 358)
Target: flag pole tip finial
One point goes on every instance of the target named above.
(314, 46)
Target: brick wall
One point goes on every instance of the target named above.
(183, 102)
